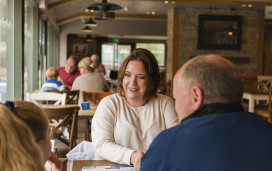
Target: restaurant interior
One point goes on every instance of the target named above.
(38, 34)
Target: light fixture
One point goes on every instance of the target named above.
(103, 10)
(91, 23)
(87, 29)
(166, 2)
(104, 6)
(89, 38)
(103, 15)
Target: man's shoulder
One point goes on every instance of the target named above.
(167, 135)
(60, 68)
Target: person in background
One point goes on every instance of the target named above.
(18, 148)
(52, 83)
(215, 133)
(98, 66)
(70, 72)
(89, 80)
(37, 121)
(126, 122)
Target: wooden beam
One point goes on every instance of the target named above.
(172, 46)
(59, 3)
(230, 2)
(117, 16)
(261, 44)
(141, 16)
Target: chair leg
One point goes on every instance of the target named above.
(72, 136)
(86, 129)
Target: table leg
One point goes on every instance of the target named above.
(87, 129)
(251, 103)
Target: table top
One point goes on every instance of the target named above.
(51, 106)
(77, 164)
(86, 114)
(254, 91)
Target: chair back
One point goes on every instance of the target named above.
(266, 112)
(71, 95)
(95, 97)
(68, 116)
(47, 97)
(264, 82)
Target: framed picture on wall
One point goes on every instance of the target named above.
(80, 49)
(219, 32)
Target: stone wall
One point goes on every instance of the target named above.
(188, 36)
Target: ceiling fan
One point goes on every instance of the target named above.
(103, 10)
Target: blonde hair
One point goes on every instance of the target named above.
(18, 148)
(52, 72)
(87, 64)
(95, 57)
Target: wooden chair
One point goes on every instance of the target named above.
(52, 130)
(266, 112)
(71, 95)
(66, 114)
(48, 97)
(95, 97)
(264, 81)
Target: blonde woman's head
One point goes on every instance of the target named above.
(86, 65)
(37, 121)
(95, 58)
(18, 148)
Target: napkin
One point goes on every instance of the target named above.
(83, 151)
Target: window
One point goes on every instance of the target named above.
(6, 26)
(158, 49)
(113, 55)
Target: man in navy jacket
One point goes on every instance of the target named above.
(215, 133)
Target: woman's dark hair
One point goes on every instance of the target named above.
(151, 67)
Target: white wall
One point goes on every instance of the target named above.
(151, 29)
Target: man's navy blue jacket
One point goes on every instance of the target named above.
(230, 140)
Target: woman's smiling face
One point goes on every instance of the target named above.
(135, 83)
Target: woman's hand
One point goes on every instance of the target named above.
(136, 157)
(57, 165)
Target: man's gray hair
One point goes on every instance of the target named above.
(75, 58)
(219, 82)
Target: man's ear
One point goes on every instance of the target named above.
(197, 95)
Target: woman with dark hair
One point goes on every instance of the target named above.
(125, 123)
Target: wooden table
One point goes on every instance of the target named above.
(252, 96)
(87, 115)
(77, 164)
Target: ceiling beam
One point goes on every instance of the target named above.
(59, 3)
(230, 2)
(117, 16)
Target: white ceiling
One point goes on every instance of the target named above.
(69, 10)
